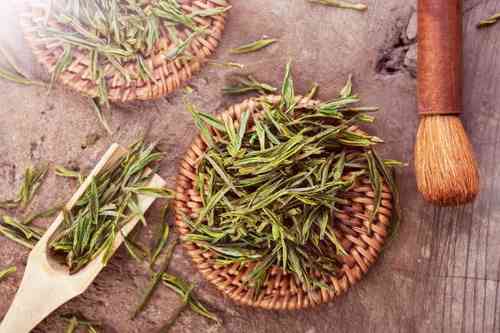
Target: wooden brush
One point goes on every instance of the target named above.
(446, 170)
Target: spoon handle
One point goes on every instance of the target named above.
(39, 295)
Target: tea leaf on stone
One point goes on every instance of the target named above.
(243, 84)
(489, 21)
(342, 4)
(7, 271)
(253, 46)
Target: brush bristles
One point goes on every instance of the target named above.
(446, 170)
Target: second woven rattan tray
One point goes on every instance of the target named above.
(281, 290)
(168, 74)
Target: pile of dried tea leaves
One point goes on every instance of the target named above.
(118, 38)
(110, 202)
(270, 185)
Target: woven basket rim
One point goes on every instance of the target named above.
(363, 252)
(170, 75)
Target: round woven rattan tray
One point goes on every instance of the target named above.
(282, 291)
(168, 74)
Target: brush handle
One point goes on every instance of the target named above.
(439, 57)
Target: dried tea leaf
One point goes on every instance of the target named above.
(342, 4)
(42, 214)
(154, 192)
(253, 46)
(17, 75)
(28, 232)
(347, 89)
(163, 236)
(210, 11)
(15, 237)
(227, 64)
(287, 90)
(155, 280)
(33, 177)
(74, 322)
(489, 21)
(16, 78)
(313, 91)
(67, 173)
(243, 84)
(7, 271)
(72, 325)
(100, 117)
(185, 291)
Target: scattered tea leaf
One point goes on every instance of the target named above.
(100, 116)
(313, 91)
(67, 173)
(72, 325)
(42, 214)
(155, 280)
(16, 78)
(227, 64)
(33, 177)
(342, 4)
(243, 84)
(16, 237)
(7, 271)
(163, 236)
(74, 322)
(185, 291)
(15, 75)
(489, 21)
(253, 46)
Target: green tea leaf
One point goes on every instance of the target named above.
(154, 192)
(67, 173)
(287, 90)
(253, 46)
(72, 325)
(155, 280)
(7, 271)
(244, 84)
(341, 4)
(100, 116)
(347, 89)
(489, 21)
(183, 289)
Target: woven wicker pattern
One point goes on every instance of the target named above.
(281, 290)
(168, 74)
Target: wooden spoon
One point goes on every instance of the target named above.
(47, 284)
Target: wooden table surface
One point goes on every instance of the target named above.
(440, 274)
